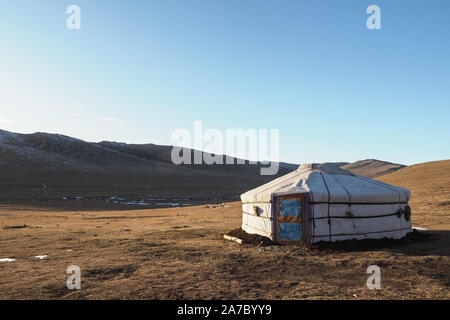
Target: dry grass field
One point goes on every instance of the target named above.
(180, 253)
(429, 184)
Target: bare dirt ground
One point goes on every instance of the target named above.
(180, 253)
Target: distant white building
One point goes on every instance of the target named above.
(319, 202)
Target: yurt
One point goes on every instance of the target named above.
(320, 202)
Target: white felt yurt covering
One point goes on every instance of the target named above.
(338, 205)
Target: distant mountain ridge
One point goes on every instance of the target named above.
(43, 165)
(66, 165)
(65, 152)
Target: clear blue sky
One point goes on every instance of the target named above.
(137, 70)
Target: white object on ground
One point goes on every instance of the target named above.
(419, 228)
(7, 260)
(41, 257)
(227, 237)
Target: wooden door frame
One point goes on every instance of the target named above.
(306, 229)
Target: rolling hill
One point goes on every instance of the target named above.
(52, 167)
(372, 168)
(429, 184)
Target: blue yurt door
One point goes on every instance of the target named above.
(293, 213)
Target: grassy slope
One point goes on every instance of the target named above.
(429, 184)
(372, 168)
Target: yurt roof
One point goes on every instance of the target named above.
(328, 184)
